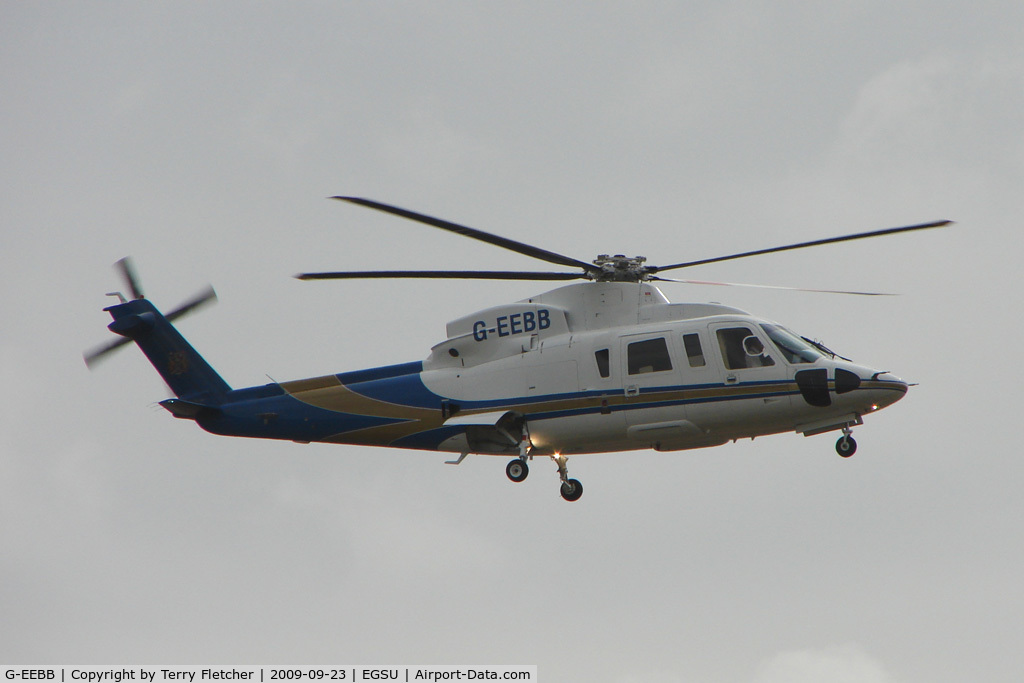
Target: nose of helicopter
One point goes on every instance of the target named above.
(884, 389)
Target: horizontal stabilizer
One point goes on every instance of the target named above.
(187, 410)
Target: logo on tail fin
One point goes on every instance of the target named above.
(177, 363)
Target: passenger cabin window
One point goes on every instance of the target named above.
(650, 355)
(741, 348)
(603, 364)
(694, 353)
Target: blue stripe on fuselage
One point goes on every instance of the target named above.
(403, 390)
(385, 372)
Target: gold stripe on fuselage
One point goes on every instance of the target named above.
(330, 394)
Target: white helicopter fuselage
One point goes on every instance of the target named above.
(611, 366)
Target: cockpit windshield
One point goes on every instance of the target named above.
(793, 347)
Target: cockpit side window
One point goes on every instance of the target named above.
(793, 348)
(650, 355)
(741, 348)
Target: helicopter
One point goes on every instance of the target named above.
(604, 365)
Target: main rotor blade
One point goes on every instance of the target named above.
(496, 240)
(801, 245)
(446, 274)
(128, 273)
(792, 289)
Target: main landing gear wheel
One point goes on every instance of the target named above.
(846, 446)
(517, 470)
(572, 489)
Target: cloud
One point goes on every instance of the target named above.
(950, 109)
(837, 664)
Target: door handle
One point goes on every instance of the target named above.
(731, 379)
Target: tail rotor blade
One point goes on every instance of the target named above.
(100, 352)
(95, 355)
(192, 304)
(127, 270)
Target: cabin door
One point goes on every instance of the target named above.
(752, 395)
(651, 378)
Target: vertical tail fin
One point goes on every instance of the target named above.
(185, 371)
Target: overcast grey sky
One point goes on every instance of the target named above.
(202, 139)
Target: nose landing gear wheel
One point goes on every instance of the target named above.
(572, 489)
(517, 470)
(846, 446)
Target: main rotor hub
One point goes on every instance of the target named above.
(620, 268)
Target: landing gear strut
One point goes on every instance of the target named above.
(846, 446)
(517, 470)
(571, 489)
